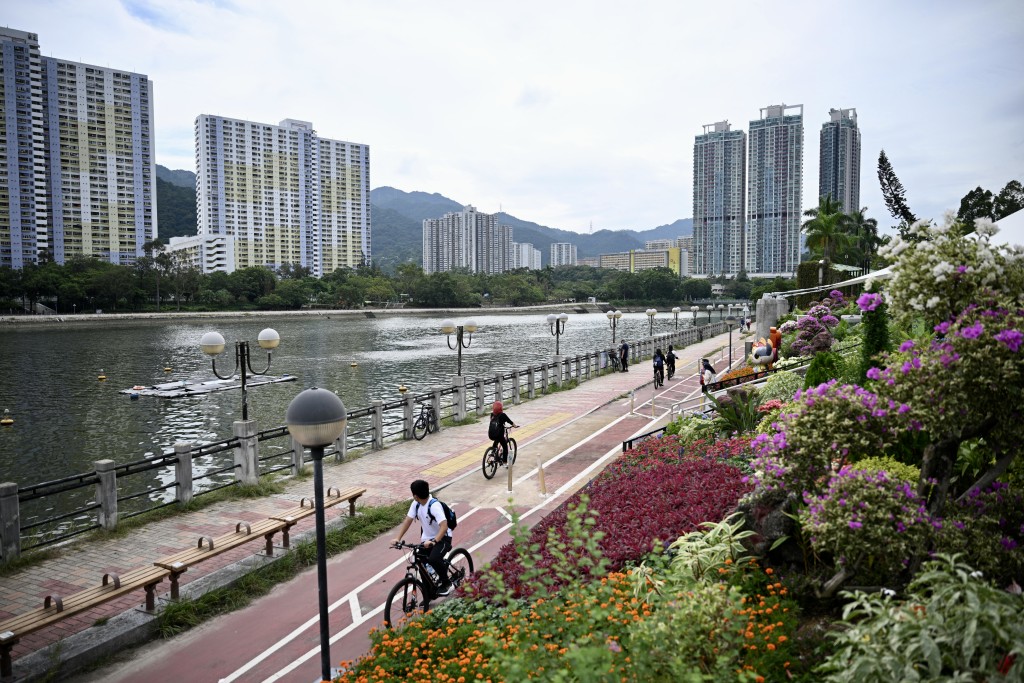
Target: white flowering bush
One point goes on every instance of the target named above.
(781, 386)
(941, 274)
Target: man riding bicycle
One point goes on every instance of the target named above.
(670, 361)
(434, 531)
(496, 429)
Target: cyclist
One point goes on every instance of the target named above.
(496, 429)
(434, 531)
(659, 367)
(670, 361)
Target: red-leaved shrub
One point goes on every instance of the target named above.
(638, 504)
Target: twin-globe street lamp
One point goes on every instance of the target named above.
(556, 324)
(711, 307)
(212, 344)
(315, 418)
(613, 321)
(694, 309)
(675, 315)
(730, 321)
(449, 327)
(651, 312)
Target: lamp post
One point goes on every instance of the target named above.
(821, 272)
(651, 312)
(74, 309)
(212, 345)
(694, 309)
(675, 316)
(730, 321)
(720, 309)
(613, 321)
(711, 307)
(556, 324)
(315, 418)
(461, 341)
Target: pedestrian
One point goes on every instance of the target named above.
(670, 361)
(496, 428)
(748, 324)
(624, 356)
(434, 531)
(708, 373)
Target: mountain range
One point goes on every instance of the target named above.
(397, 218)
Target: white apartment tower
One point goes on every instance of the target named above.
(526, 256)
(563, 254)
(284, 194)
(76, 159)
(468, 240)
(839, 170)
(775, 192)
(719, 200)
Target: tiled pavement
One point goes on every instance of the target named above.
(439, 458)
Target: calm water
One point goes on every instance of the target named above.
(65, 419)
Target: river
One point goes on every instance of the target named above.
(66, 419)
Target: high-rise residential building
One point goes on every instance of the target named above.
(775, 192)
(76, 159)
(525, 255)
(563, 254)
(284, 194)
(469, 240)
(839, 169)
(719, 200)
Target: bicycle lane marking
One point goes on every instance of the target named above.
(473, 456)
(567, 486)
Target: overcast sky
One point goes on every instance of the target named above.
(573, 114)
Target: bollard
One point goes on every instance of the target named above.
(183, 471)
(460, 398)
(106, 493)
(10, 522)
(510, 465)
(632, 398)
(247, 468)
(540, 478)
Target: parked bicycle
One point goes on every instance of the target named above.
(425, 423)
(614, 357)
(492, 456)
(419, 587)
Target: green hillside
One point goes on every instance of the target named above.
(175, 210)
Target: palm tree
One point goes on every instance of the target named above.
(825, 228)
(864, 234)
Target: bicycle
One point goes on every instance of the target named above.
(425, 423)
(492, 458)
(659, 377)
(616, 365)
(419, 587)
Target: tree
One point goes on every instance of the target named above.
(825, 228)
(976, 204)
(894, 194)
(864, 233)
(1009, 200)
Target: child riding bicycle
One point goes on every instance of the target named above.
(496, 429)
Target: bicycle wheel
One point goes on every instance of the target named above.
(460, 565)
(408, 597)
(512, 448)
(420, 428)
(432, 423)
(490, 463)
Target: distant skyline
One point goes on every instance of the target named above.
(575, 113)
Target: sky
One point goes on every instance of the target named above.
(575, 115)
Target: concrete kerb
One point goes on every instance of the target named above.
(136, 626)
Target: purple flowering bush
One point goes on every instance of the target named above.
(828, 426)
(988, 527)
(814, 331)
(868, 523)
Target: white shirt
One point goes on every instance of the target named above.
(709, 377)
(429, 528)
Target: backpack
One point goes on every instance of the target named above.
(658, 360)
(494, 429)
(448, 513)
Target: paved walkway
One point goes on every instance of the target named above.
(448, 460)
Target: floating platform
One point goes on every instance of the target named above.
(182, 388)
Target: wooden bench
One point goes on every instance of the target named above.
(305, 508)
(56, 608)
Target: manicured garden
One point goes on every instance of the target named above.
(861, 522)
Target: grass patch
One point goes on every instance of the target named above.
(29, 559)
(470, 419)
(371, 522)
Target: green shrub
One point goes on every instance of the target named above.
(737, 410)
(891, 466)
(692, 428)
(988, 527)
(952, 626)
(781, 386)
(876, 338)
(824, 366)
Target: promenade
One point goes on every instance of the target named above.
(575, 432)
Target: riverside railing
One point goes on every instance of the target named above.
(51, 512)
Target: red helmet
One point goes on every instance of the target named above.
(497, 407)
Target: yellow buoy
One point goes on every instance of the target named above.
(353, 363)
(167, 369)
(6, 420)
(402, 388)
(102, 377)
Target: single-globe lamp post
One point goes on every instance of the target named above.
(212, 344)
(315, 418)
